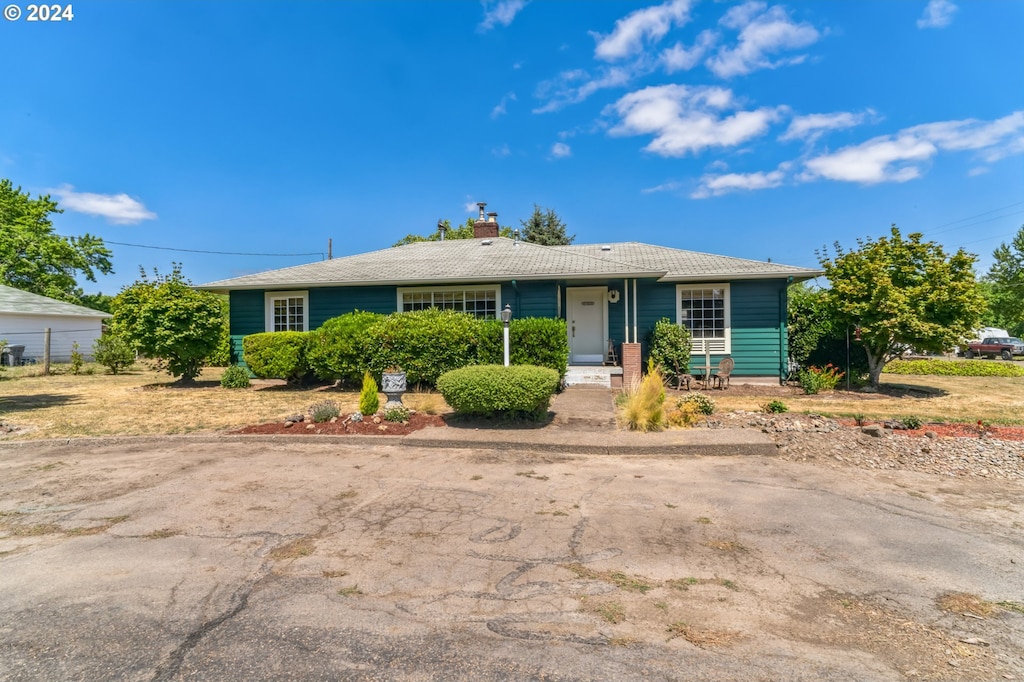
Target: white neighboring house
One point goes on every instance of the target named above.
(25, 316)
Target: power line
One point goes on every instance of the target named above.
(216, 253)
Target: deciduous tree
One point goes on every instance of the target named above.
(902, 292)
(1005, 285)
(166, 318)
(34, 258)
(464, 231)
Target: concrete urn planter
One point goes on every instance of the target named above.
(392, 384)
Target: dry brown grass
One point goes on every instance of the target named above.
(999, 400)
(700, 636)
(963, 602)
(146, 402)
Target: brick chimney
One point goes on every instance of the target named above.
(486, 225)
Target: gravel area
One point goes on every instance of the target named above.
(812, 438)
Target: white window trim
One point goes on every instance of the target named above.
(716, 346)
(496, 288)
(268, 307)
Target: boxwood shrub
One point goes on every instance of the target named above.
(424, 343)
(954, 368)
(277, 355)
(338, 351)
(540, 341)
(518, 391)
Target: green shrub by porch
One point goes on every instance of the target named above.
(540, 341)
(670, 348)
(424, 343)
(518, 391)
(337, 350)
(277, 355)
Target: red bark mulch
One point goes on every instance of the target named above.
(367, 427)
(957, 430)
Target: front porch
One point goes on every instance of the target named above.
(594, 375)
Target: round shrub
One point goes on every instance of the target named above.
(235, 377)
(775, 407)
(277, 355)
(540, 341)
(338, 349)
(670, 348)
(424, 343)
(113, 352)
(704, 404)
(518, 391)
(324, 411)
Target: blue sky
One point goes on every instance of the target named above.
(752, 129)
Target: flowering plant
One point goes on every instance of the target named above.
(814, 379)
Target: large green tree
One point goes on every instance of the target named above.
(903, 292)
(166, 318)
(34, 258)
(544, 227)
(464, 231)
(1004, 285)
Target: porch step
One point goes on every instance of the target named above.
(593, 375)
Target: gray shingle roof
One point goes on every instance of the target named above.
(26, 303)
(681, 266)
(501, 259)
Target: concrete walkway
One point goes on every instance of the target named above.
(584, 423)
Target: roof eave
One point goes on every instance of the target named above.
(705, 277)
(213, 286)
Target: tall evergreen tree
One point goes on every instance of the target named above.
(1004, 285)
(544, 227)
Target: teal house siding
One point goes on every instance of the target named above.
(247, 316)
(328, 302)
(531, 298)
(758, 329)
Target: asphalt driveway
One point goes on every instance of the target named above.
(222, 559)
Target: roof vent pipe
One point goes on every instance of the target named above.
(441, 227)
(492, 217)
(515, 235)
(482, 205)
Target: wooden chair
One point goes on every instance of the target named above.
(721, 375)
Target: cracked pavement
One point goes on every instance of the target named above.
(229, 559)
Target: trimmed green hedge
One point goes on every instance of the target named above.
(540, 341)
(954, 368)
(424, 343)
(277, 355)
(338, 351)
(518, 391)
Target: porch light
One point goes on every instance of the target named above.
(506, 317)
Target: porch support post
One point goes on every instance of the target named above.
(631, 365)
(635, 337)
(625, 312)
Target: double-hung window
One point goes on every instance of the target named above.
(481, 302)
(704, 311)
(287, 311)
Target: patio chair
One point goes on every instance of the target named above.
(720, 378)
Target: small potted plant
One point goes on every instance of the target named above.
(393, 385)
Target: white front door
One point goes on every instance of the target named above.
(587, 319)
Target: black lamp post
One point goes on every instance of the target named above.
(506, 317)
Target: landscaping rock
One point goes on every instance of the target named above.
(874, 430)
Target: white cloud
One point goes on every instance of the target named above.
(119, 209)
(572, 87)
(972, 133)
(881, 159)
(648, 24)
(560, 150)
(762, 32)
(813, 126)
(679, 58)
(977, 170)
(900, 157)
(670, 186)
(500, 13)
(686, 119)
(938, 14)
(499, 108)
(501, 152)
(717, 185)
(471, 207)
